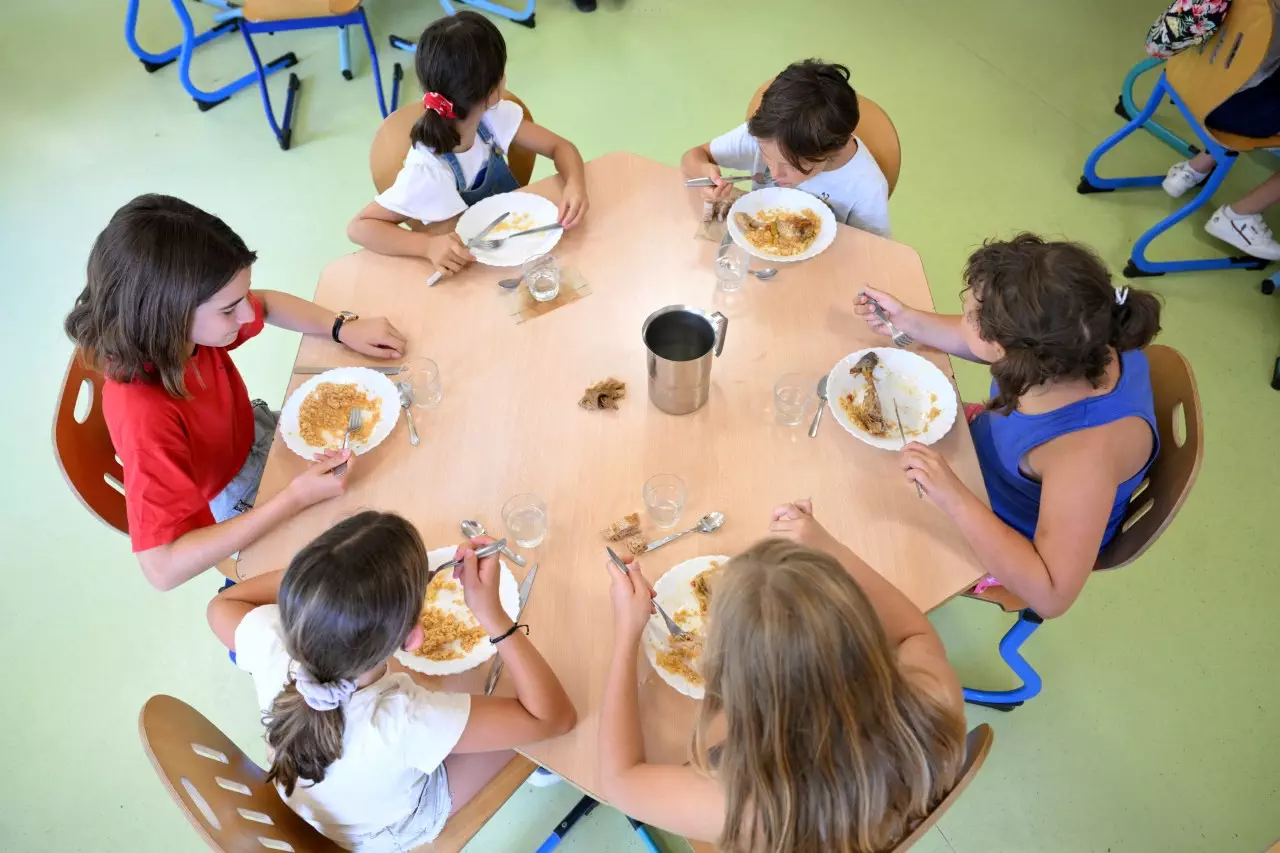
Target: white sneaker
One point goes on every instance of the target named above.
(542, 778)
(1249, 234)
(1181, 178)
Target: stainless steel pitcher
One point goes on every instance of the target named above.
(681, 342)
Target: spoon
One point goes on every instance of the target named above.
(822, 405)
(709, 523)
(764, 274)
(509, 283)
(406, 400)
(673, 628)
(481, 552)
(472, 529)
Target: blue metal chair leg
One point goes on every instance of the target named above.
(283, 129)
(523, 16)
(1091, 181)
(344, 52)
(155, 61)
(1126, 108)
(1007, 700)
(377, 69)
(206, 100)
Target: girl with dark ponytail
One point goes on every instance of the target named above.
(1070, 429)
(456, 154)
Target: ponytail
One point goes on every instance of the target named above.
(436, 132)
(460, 60)
(304, 741)
(1135, 319)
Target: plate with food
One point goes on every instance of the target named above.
(864, 385)
(685, 593)
(781, 224)
(314, 418)
(524, 211)
(454, 641)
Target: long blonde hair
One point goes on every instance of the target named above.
(829, 748)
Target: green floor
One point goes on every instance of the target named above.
(1157, 730)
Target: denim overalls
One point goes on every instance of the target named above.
(494, 177)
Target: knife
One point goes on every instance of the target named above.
(484, 232)
(526, 586)
(314, 371)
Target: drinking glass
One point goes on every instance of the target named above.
(423, 378)
(542, 275)
(525, 517)
(732, 262)
(791, 397)
(664, 497)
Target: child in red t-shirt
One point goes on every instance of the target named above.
(167, 299)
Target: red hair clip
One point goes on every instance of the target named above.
(438, 104)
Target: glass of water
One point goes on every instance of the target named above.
(542, 275)
(664, 497)
(525, 517)
(732, 262)
(422, 375)
(792, 395)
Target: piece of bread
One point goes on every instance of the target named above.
(619, 530)
(636, 545)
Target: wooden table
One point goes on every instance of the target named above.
(510, 423)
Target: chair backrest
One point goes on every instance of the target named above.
(286, 10)
(83, 447)
(875, 129)
(1206, 75)
(391, 144)
(1173, 473)
(222, 792)
(977, 745)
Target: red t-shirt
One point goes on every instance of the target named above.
(180, 454)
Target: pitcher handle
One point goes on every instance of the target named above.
(722, 328)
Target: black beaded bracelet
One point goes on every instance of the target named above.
(509, 632)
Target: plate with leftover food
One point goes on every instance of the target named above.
(685, 593)
(314, 418)
(864, 385)
(524, 211)
(454, 641)
(781, 224)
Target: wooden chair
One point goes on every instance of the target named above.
(1151, 510)
(83, 448)
(391, 144)
(977, 745)
(875, 129)
(226, 798)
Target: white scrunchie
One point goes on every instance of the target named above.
(1122, 294)
(322, 695)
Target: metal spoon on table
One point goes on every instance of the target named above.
(822, 405)
(709, 523)
(472, 529)
(509, 283)
(406, 402)
(764, 274)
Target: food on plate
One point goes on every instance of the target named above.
(864, 410)
(447, 637)
(780, 232)
(322, 417)
(440, 583)
(514, 222)
(628, 526)
(681, 654)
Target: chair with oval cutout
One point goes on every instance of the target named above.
(83, 448)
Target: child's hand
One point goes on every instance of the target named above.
(722, 187)
(448, 253)
(480, 580)
(926, 466)
(375, 336)
(632, 601)
(892, 307)
(318, 483)
(795, 521)
(573, 204)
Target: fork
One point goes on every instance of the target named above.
(493, 243)
(899, 337)
(757, 178)
(355, 418)
(674, 629)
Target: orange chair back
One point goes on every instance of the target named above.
(287, 10)
(83, 447)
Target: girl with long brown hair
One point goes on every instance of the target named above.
(1070, 429)
(168, 297)
(832, 722)
(373, 760)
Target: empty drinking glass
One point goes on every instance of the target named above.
(526, 519)
(423, 378)
(664, 497)
(542, 275)
(732, 262)
(791, 397)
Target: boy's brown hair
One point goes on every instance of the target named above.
(809, 111)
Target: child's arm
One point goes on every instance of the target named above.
(698, 162)
(568, 160)
(940, 331)
(378, 230)
(373, 336)
(229, 607)
(680, 799)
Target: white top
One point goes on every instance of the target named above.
(425, 188)
(857, 192)
(1271, 61)
(396, 734)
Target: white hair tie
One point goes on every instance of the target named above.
(1122, 295)
(322, 695)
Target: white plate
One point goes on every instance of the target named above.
(371, 382)
(782, 198)
(527, 211)
(915, 383)
(452, 601)
(674, 592)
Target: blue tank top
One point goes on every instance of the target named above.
(1003, 440)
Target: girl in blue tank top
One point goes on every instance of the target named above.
(1070, 430)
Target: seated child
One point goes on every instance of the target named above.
(167, 300)
(1070, 430)
(456, 158)
(366, 755)
(802, 136)
(843, 722)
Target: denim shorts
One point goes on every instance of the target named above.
(242, 491)
(421, 827)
